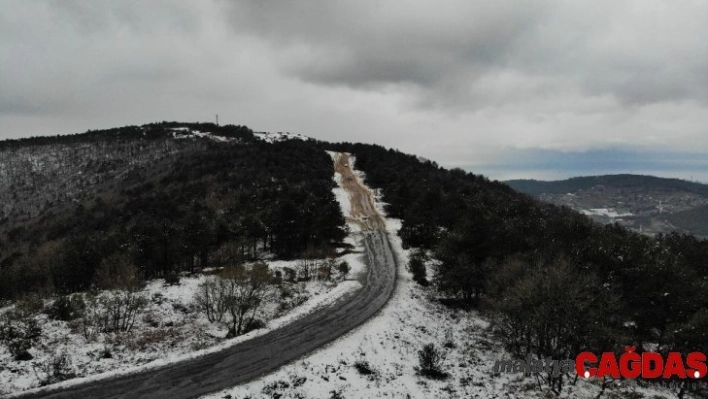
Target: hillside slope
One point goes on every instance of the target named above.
(167, 197)
(39, 173)
(646, 204)
(694, 220)
(263, 353)
(531, 267)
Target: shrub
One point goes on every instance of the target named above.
(211, 299)
(20, 330)
(364, 368)
(118, 273)
(297, 381)
(19, 336)
(151, 319)
(30, 305)
(121, 309)
(112, 311)
(255, 324)
(106, 353)
(277, 277)
(158, 298)
(335, 394)
(272, 388)
(430, 362)
(67, 308)
(416, 265)
(324, 269)
(449, 340)
(234, 298)
(290, 274)
(344, 269)
(57, 368)
(90, 324)
(306, 267)
(172, 278)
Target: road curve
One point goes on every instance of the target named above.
(263, 354)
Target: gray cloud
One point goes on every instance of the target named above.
(462, 82)
(637, 52)
(363, 45)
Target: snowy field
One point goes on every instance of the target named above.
(170, 329)
(379, 359)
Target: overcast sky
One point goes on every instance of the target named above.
(464, 82)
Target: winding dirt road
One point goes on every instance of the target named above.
(263, 354)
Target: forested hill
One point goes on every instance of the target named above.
(554, 282)
(650, 183)
(41, 172)
(166, 197)
(173, 197)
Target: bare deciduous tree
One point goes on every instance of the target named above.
(119, 308)
(306, 268)
(211, 299)
(118, 273)
(234, 298)
(246, 290)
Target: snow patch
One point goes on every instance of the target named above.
(276, 137)
(180, 133)
(607, 212)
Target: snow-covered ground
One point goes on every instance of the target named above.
(185, 133)
(170, 329)
(387, 346)
(607, 212)
(339, 193)
(274, 137)
(379, 359)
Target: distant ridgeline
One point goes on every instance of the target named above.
(166, 196)
(554, 281)
(645, 203)
(150, 131)
(537, 187)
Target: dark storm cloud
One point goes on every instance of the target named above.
(457, 81)
(634, 51)
(371, 43)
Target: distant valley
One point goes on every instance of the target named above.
(647, 204)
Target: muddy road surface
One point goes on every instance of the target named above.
(263, 354)
(363, 208)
